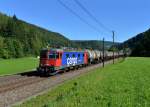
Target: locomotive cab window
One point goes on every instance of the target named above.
(53, 56)
(67, 55)
(78, 55)
(73, 55)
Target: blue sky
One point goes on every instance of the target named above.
(126, 17)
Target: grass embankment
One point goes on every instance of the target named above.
(125, 84)
(13, 66)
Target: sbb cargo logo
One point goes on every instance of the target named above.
(71, 61)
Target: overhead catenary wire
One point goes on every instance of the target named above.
(77, 15)
(92, 16)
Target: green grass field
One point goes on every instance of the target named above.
(13, 66)
(125, 84)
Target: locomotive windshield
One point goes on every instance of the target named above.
(53, 56)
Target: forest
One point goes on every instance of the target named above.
(21, 39)
(139, 45)
(94, 44)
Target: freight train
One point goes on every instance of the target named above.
(53, 61)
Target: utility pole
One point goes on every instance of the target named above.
(113, 47)
(103, 53)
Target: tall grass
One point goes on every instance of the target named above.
(125, 84)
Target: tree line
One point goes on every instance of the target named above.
(20, 39)
(139, 45)
(93, 44)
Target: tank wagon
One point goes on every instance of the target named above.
(53, 61)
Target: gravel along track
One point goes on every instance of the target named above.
(18, 83)
(4, 79)
(18, 88)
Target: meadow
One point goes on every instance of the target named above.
(124, 84)
(13, 66)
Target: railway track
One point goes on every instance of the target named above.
(11, 85)
(5, 79)
(17, 88)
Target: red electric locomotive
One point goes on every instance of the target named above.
(56, 60)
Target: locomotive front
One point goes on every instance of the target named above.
(50, 61)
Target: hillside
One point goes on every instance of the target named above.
(139, 44)
(19, 38)
(93, 44)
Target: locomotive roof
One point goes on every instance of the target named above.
(62, 50)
